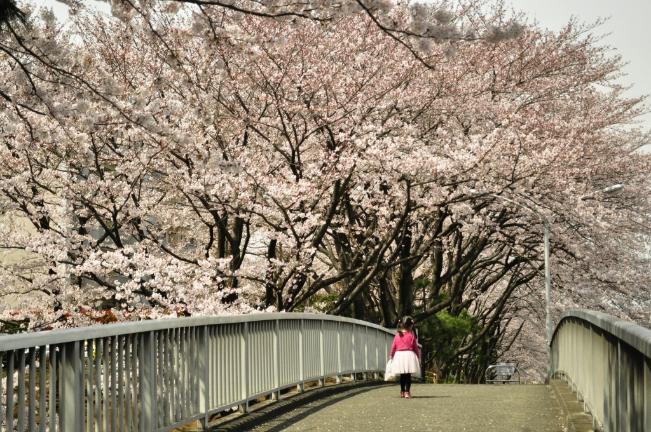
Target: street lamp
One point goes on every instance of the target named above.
(610, 189)
(548, 274)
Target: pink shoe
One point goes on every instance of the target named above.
(402, 394)
(407, 395)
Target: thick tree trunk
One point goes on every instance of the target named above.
(406, 284)
(387, 303)
(270, 282)
(359, 308)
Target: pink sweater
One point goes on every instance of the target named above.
(404, 342)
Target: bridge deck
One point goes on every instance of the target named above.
(449, 407)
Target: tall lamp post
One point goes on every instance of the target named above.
(548, 273)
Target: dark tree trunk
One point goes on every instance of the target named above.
(270, 283)
(387, 303)
(406, 286)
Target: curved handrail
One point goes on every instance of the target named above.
(633, 334)
(157, 375)
(61, 336)
(607, 361)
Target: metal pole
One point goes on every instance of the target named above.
(548, 297)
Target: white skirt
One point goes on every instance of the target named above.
(405, 362)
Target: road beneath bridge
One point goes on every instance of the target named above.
(434, 407)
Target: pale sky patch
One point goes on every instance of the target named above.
(626, 30)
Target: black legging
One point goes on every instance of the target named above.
(405, 382)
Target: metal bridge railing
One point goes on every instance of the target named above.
(607, 361)
(157, 375)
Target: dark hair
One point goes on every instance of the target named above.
(406, 324)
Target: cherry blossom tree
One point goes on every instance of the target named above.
(205, 160)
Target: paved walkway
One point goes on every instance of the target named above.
(435, 407)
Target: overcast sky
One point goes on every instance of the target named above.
(627, 30)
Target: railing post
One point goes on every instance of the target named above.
(376, 338)
(147, 372)
(276, 360)
(71, 388)
(301, 357)
(321, 355)
(2, 411)
(338, 379)
(352, 335)
(365, 352)
(244, 353)
(204, 374)
(619, 394)
(647, 394)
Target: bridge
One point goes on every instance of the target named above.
(164, 375)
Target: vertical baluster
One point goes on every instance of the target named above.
(244, 370)
(21, 390)
(90, 385)
(32, 390)
(53, 386)
(175, 372)
(222, 383)
(352, 350)
(81, 400)
(71, 412)
(211, 364)
(135, 378)
(179, 373)
(187, 383)
(2, 413)
(160, 377)
(147, 374)
(114, 383)
(204, 374)
(228, 383)
(194, 371)
(321, 353)
(61, 392)
(121, 415)
(199, 371)
(169, 377)
(99, 355)
(301, 353)
(83, 384)
(10, 390)
(106, 393)
(235, 361)
(180, 389)
(276, 359)
(189, 356)
(365, 350)
(254, 369)
(127, 386)
(219, 330)
(338, 352)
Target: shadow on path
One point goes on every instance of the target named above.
(304, 404)
(429, 397)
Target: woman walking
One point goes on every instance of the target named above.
(404, 355)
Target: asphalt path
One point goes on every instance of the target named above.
(434, 407)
